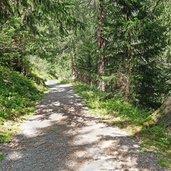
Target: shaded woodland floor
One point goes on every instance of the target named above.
(64, 136)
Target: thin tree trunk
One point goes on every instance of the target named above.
(101, 62)
(74, 67)
(129, 57)
(129, 73)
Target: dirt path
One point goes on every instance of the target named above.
(63, 136)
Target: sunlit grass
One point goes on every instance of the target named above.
(2, 157)
(99, 103)
(64, 81)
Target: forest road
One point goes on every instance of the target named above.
(64, 136)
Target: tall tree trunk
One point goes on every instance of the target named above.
(74, 66)
(162, 116)
(101, 62)
(129, 57)
(129, 73)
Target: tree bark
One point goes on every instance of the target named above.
(101, 62)
(74, 67)
(162, 116)
(129, 57)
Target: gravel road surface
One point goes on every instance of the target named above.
(64, 136)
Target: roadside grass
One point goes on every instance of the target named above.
(18, 98)
(2, 157)
(64, 81)
(127, 116)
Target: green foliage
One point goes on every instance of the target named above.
(164, 163)
(40, 69)
(2, 157)
(16, 93)
(18, 96)
(99, 101)
(64, 82)
(5, 137)
(134, 46)
(158, 139)
(61, 67)
(135, 36)
(33, 28)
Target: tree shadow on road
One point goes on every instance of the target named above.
(59, 136)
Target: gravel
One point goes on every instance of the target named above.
(64, 136)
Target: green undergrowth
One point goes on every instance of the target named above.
(127, 116)
(2, 157)
(64, 81)
(18, 96)
(40, 76)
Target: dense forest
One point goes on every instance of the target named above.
(118, 51)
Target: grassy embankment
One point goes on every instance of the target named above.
(125, 115)
(18, 98)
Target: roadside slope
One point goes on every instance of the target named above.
(18, 95)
